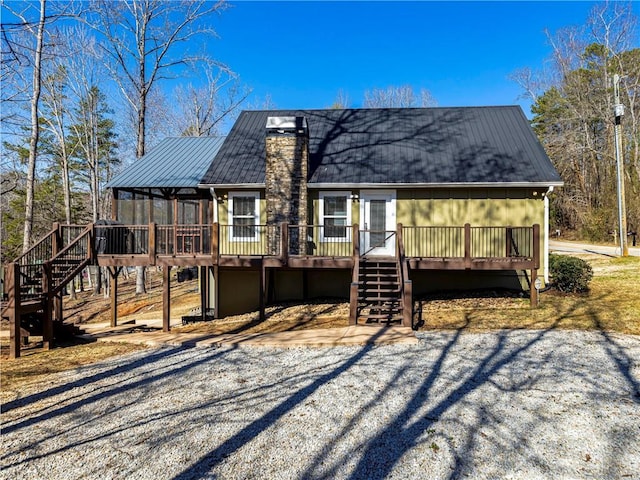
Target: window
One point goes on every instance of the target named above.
(244, 214)
(335, 216)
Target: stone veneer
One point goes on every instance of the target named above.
(286, 169)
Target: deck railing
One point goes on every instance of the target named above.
(374, 240)
(445, 242)
(249, 240)
(308, 241)
(122, 239)
(183, 239)
(468, 242)
(319, 241)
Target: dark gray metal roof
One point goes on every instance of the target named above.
(178, 162)
(461, 145)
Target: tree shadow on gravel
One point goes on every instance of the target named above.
(619, 357)
(237, 441)
(148, 377)
(422, 410)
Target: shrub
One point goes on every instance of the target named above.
(570, 274)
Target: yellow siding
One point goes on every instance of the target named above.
(478, 207)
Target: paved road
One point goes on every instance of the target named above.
(573, 247)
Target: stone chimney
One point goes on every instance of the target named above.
(286, 169)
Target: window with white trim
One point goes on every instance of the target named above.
(335, 216)
(244, 215)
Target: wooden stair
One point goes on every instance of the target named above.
(35, 280)
(379, 290)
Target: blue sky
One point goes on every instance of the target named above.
(302, 53)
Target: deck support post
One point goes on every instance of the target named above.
(166, 298)
(533, 291)
(407, 304)
(47, 320)
(12, 284)
(113, 273)
(536, 265)
(284, 243)
(353, 303)
(263, 278)
(204, 291)
(216, 289)
(58, 314)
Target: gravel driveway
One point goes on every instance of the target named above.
(509, 404)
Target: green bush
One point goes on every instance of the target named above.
(570, 274)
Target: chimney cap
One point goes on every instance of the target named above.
(287, 124)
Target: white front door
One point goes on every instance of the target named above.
(378, 222)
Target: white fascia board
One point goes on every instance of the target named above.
(335, 186)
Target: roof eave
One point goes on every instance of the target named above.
(229, 186)
(438, 185)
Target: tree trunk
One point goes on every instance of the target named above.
(35, 130)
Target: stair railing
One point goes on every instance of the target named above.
(69, 261)
(353, 288)
(389, 234)
(406, 285)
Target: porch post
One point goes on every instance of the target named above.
(467, 245)
(215, 243)
(114, 204)
(166, 298)
(152, 243)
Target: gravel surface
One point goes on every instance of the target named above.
(508, 404)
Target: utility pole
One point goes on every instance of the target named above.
(618, 112)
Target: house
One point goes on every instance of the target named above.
(375, 205)
(323, 171)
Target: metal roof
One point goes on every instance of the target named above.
(178, 162)
(437, 146)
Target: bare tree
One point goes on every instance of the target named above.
(37, 30)
(397, 97)
(145, 42)
(573, 116)
(203, 109)
(342, 100)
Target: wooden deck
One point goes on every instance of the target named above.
(35, 281)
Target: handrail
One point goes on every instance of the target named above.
(406, 285)
(62, 252)
(381, 244)
(48, 236)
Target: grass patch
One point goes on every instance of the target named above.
(612, 304)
